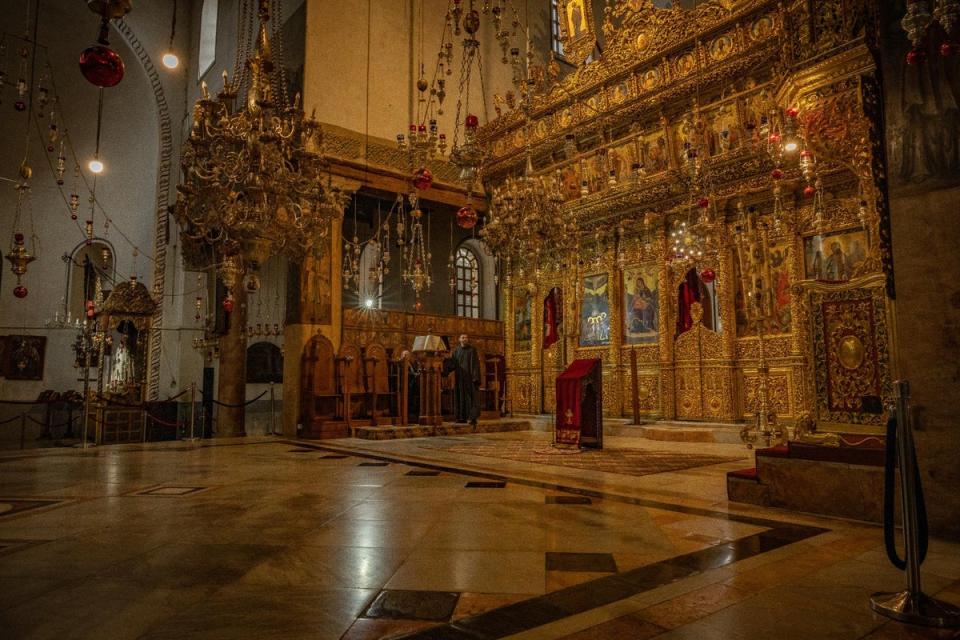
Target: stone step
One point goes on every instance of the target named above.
(675, 431)
(446, 429)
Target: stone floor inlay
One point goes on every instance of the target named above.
(14, 506)
(171, 491)
(596, 562)
(482, 484)
(413, 605)
(568, 500)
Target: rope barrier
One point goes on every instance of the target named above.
(44, 424)
(39, 402)
(237, 406)
(163, 422)
(889, 499)
(3, 422)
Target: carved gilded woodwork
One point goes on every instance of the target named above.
(732, 62)
(851, 349)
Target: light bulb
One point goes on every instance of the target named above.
(369, 303)
(170, 60)
(790, 147)
(95, 166)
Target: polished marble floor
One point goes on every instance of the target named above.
(266, 538)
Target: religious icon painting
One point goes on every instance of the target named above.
(721, 47)
(522, 321)
(761, 28)
(779, 275)
(595, 311)
(650, 79)
(653, 152)
(621, 158)
(578, 30)
(24, 357)
(641, 304)
(834, 257)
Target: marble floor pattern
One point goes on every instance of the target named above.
(271, 538)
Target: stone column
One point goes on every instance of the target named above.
(232, 383)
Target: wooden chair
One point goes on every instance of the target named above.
(494, 382)
(376, 368)
(350, 382)
(319, 398)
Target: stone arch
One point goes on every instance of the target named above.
(162, 198)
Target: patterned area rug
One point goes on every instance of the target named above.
(631, 462)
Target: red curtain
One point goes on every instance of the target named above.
(689, 293)
(552, 317)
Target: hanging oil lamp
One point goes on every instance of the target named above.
(100, 65)
(19, 258)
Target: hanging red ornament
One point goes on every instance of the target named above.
(472, 121)
(792, 112)
(916, 56)
(774, 137)
(777, 173)
(20, 291)
(703, 203)
(101, 66)
(948, 49)
(708, 275)
(20, 105)
(467, 217)
(809, 191)
(422, 179)
(228, 304)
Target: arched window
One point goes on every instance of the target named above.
(468, 283)
(207, 50)
(555, 42)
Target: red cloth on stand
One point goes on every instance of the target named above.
(573, 416)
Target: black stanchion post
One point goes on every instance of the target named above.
(23, 427)
(912, 605)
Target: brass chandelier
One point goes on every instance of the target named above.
(255, 177)
(526, 226)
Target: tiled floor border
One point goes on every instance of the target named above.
(534, 612)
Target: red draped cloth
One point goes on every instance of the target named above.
(552, 317)
(689, 293)
(579, 404)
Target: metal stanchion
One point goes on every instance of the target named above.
(912, 605)
(273, 412)
(23, 427)
(193, 400)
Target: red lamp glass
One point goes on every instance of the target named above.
(101, 66)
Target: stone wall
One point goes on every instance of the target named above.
(922, 125)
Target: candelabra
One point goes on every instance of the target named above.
(752, 241)
(525, 223)
(255, 175)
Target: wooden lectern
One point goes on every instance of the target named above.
(430, 349)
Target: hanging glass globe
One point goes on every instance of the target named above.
(101, 66)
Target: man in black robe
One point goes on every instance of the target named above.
(466, 381)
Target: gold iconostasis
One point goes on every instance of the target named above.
(720, 165)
